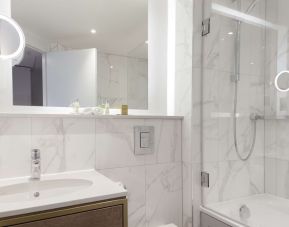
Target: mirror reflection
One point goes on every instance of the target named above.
(93, 51)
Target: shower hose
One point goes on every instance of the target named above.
(253, 118)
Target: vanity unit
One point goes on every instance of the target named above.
(72, 199)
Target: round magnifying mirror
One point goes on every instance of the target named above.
(12, 40)
(282, 81)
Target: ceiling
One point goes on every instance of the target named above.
(121, 25)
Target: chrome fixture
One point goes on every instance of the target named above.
(35, 164)
(255, 117)
(244, 212)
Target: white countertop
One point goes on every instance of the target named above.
(100, 188)
(71, 115)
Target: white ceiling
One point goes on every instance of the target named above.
(121, 25)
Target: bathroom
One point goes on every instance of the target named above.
(147, 113)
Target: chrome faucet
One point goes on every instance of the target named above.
(35, 164)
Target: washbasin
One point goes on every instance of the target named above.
(23, 195)
(41, 189)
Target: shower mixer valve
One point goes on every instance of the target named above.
(255, 117)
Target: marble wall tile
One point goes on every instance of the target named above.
(197, 17)
(167, 145)
(187, 194)
(134, 180)
(276, 145)
(183, 94)
(270, 175)
(245, 132)
(114, 150)
(211, 194)
(270, 139)
(15, 146)
(168, 141)
(282, 142)
(239, 179)
(218, 50)
(65, 144)
(163, 193)
(197, 193)
(79, 143)
(219, 45)
(47, 134)
(122, 147)
(159, 175)
(154, 182)
(152, 191)
(196, 139)
(282, 178)
(276, 177)
(252, 54)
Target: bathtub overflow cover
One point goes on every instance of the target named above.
(36, 194)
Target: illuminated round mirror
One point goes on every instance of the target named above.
(282, 81)
(12, 40)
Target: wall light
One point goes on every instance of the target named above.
(282, 73)
(92, 31)
(171, 58)
(20, 33)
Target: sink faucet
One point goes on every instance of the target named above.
(35, 164)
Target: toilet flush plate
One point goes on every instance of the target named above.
(143, 140)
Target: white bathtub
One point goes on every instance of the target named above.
(265, 211)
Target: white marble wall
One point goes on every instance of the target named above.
(154, 182)
(122, 80)
(277, 103)
(183, 92)
(229, 176)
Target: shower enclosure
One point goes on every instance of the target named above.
(245, 112)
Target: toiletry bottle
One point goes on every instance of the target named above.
(124, 109)
(106, 108)
(75, 106)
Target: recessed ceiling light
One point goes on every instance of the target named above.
(111, 67)
(147, 42)
(230, 33)
(252, 63)
(92, 31)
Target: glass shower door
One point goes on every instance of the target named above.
(233, 103)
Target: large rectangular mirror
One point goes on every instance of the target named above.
(93, 51)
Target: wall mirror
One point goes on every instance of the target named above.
(12, 40)
(93, 51)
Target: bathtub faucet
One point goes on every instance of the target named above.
(35, 164)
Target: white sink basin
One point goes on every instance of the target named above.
(22, 195)
(33, 190)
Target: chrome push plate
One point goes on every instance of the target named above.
(143, 140)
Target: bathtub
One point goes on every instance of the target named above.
(261, 210)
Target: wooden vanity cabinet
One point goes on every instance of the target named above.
(111, 213)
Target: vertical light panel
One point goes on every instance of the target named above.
(171, 49)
